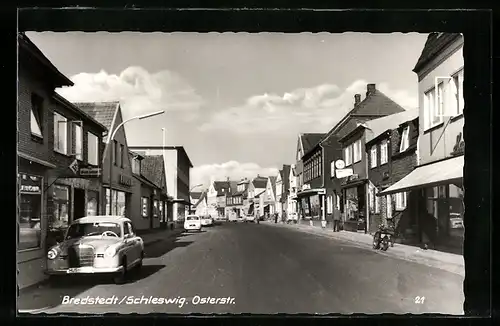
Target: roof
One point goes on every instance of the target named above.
(220, 186)
(152, 167)
(104, 112)
(273, 182)
(177, 148)
(233, 185)
(78, 111)
(259, 182)
(260, 193)
(434, 44)
(203, 195)
(373, 105)
(286, 174)
(102, 218)
(26, 44)
(309, 141)
(377, 127)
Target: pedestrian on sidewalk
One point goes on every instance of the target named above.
(336, 220)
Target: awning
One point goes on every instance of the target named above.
(310, 192)
(447, 171)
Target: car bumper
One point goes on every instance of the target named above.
(84, 270)
(188, 228)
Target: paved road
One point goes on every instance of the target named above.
(265, 269)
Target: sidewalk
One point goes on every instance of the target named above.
(44, 295)
(450, 262)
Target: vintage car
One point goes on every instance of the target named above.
(207, 221)
(192, 223)
(97, 244)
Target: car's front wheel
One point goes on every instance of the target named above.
(121, 277)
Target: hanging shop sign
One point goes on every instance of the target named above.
(306, 187)
(74, 166)
(344, 173)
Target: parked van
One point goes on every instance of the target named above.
(192, 223)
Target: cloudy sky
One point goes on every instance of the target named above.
(235, 101)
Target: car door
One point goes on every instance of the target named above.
(129, 244)
(137, 241)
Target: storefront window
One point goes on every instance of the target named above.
(456, 209)
(60, 196)
(155, 209)
(161, 211)
(120, 203)
(108, 211)
(352, 203)
(305, 207)
(92, 203)
(315, 206)
(30, 212)
(144, 201)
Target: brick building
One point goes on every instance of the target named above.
(398, 209)
(55, 141)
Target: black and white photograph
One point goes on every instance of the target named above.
(240, 173)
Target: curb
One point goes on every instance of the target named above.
(428, 261)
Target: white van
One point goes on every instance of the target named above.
(192, 223)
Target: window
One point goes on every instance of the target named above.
(60, 133)
(92, 203)
(126, 229)
(401, 201)
(29, 232)
(36, 115)
(373, 157)
(429, 103)
(405, 141)
(388, 199)
(115, 152)
(348, 155)
(330, 204)
(437, 115)
(377, 201)
(371, 197)
(78, 135)
(155, 209)
(383, 152)
(131, 229)
(161, 211)
(357, 151)
(122, 155)
(145, 209)
(457, 96)
(60, 197)
(332, 169)
(92, 149)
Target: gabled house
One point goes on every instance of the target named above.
(200, 205)
(223, 190)
(117, 171)
(292, 191)
(212, 199)
(234, 200)
(305, 142)
(270, 195)
(255, 188)
(282, 191)
(438, 178)
(153, 168)
(322, 197)
(401, 156)
(355, 187)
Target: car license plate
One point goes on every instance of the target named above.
(192, 225)
(73, 270)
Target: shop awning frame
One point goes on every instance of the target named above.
(429, 175)
(310, 192)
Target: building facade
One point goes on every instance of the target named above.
(234, 200)
(118, 179)
(439, 175)
(292, 191)
(282, 185)
(52, 188)
(391, 156)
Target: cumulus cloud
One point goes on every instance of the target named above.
(234, 170)
(313, 109)
(138, 91)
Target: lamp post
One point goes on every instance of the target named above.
(108, 145)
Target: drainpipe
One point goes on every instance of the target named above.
(323, 203)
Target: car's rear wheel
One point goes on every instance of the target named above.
(121, 277)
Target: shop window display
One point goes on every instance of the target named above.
(30, 212)
(92, 203)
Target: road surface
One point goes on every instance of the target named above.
(261, 269)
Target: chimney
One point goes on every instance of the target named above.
(370, 89)
(227, 178)
(357, 99)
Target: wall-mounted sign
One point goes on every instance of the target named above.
(74, 166)
(306, 187)
(125, 180)
(343, 173)
(90, 172)
(340, 164)
(30, 184)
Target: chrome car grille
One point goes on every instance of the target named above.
(81, 256)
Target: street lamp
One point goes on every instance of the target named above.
(108, 145)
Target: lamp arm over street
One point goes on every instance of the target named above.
(108, 146)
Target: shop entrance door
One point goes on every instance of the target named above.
(79, 204)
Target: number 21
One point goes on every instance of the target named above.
(419, 300)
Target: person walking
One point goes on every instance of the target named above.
(336, 220)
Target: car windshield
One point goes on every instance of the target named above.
(89, 229)
(192, 218)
